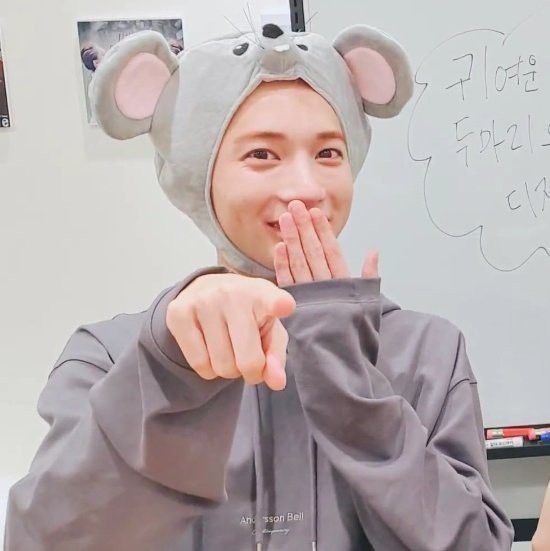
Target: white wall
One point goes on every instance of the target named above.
(85, 232)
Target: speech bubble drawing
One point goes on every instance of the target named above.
(482, 126)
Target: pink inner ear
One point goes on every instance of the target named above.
(373, 75)
(140, 85)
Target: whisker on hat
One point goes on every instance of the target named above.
(233, 25)
(248, 17)
(305, 24)
(237, 28)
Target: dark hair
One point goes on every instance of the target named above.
(176, 47)
(88, 56)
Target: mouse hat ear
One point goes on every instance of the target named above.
(380, 69)
(128, 83)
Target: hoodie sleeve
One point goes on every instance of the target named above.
(414, 487)
(136, 448)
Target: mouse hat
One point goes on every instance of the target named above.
(186, 102)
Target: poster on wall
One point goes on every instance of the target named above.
(5, 121)
(96, 37)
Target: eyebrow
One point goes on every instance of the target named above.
(269, 135)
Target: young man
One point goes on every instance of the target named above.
(273, 401)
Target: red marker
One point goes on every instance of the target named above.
(509, 432)
(529, 432)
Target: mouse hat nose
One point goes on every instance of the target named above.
(272, 31)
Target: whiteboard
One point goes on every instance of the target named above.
(455, 192)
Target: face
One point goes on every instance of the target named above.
(284, 142)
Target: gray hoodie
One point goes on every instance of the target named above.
(376, 442)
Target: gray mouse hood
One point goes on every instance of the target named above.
(186, 102)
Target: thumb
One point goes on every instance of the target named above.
(284, 304)
(274, 344)
(273, 302)
(370, 265)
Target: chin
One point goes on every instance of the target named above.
(267, 262)
(260, 252)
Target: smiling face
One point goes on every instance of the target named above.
(285, 142)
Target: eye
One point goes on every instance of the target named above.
(330, 156)
(302, 47)
(260, 154)
(240, 49)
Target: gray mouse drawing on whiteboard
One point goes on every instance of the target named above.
(482, 127)
(184, 105)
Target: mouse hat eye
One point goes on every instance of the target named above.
(241, 48)
(127, 85)
(379, 67)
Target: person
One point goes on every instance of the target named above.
(91, 56)
(272, 401)
(541, 538)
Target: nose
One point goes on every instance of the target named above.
(272, 31)
(280, 54)
(301, 183)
